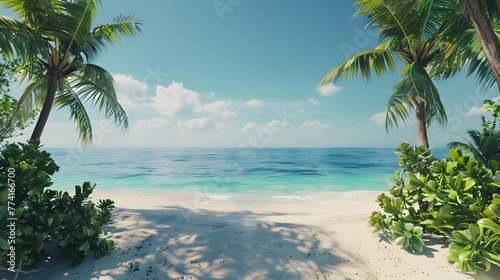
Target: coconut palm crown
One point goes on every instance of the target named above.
(57, 42)
(411, 32)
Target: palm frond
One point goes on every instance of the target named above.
(31, 99)
(394, 18)
(95, 85)
(380, 60)
(102, 35)
(68, 98)
(77, 17)
(416, 85)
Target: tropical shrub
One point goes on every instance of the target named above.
(455, 197)
(42, 214)
(484, 144)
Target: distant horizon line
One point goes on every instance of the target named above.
(229, 147)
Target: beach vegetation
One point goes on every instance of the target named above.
(57, 44)
(44, 215)
(9, 126)
(484, 144)
(455, 198)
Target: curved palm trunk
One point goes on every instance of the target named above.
(486, 35)
(47, 106)
(421, 125)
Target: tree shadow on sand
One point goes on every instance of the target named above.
(181, 243)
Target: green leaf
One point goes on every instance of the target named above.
(488, 223)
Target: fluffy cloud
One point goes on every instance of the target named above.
(254, 103)
(275, 125)
(314, 125)
(299, 103)
(313, 101)
(378, 118)
(475, 111)
(193, 124)
(213, 108)
(174, 99)
(227, 114)
(250, 126)
(130, 92)
(223, 127)
(350, 129)
(328, 89)
(154, 123)
(299, 111)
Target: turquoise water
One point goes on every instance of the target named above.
(276, 171)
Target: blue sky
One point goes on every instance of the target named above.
(241, 73)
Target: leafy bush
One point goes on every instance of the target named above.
(455, 197)
(74, 221)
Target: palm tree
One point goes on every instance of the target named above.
(485, 32)
(411, 31)
(56, 40)
(470, 47)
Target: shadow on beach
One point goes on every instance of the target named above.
(181, 243)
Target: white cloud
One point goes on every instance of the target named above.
(223, 127)
(250, 126)
(314, 125)
(299, 111)
(174, 99)
(254, 103)
(154, 123)
(350, 129)
(275, 125)
(227, 114)
(299, 103)
(313, 101)
(193, 124)
(210, 93)
(378, 118)
(328, 89)
(213, 108)
(475, 111)
(130, 92)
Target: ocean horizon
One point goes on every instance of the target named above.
(293, 172)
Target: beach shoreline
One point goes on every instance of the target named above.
(157, 238)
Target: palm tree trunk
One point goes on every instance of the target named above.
(486, 35)
(47, 106)
(421, 125)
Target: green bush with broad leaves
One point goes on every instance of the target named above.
(43, 214)
(457, 198)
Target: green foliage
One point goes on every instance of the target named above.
(484, 144)
(456, 198)
(408, 236)
(74, 222)
(10, 127)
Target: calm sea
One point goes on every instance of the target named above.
(273, 171)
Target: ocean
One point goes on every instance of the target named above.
(286, 172)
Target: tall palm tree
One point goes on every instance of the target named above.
(410, 31)
(56, 40)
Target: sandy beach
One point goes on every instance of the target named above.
(157, 238)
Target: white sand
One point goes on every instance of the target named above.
(213, 238)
